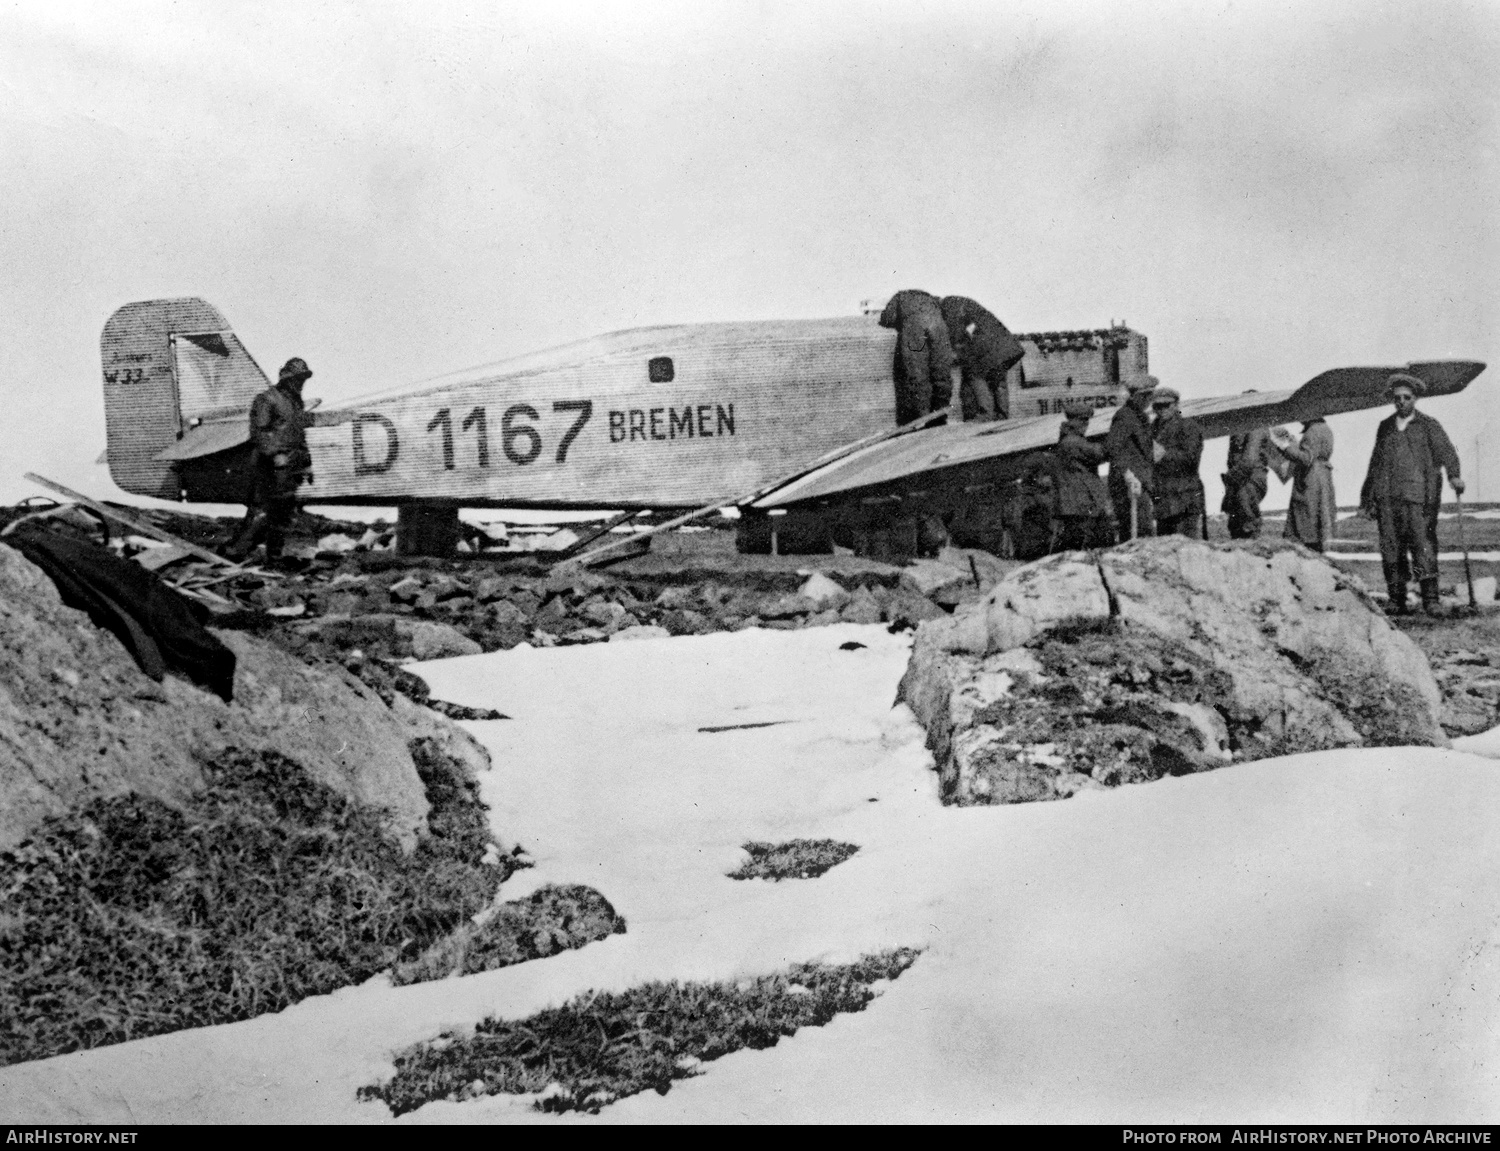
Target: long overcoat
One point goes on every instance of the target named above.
(1311, 514)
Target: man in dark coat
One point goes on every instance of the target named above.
(1403, 489)
(924, 355)
(1132, 457)
(986, 351)
(279, 462)
(1245, 477)
(1080, 502)
(1178, 494)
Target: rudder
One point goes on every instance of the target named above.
(169, 366)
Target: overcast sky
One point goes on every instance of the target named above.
(391, 191)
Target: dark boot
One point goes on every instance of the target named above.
(1430, 602)
(1396, 603)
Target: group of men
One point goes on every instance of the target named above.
(1153, 453)
(1154, 487)
(933, 337)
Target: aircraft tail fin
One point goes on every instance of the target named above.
(170, 367)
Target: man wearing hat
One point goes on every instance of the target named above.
(1403, 490)
(1080, 503)
(1132, 460)
(279, 462)
(1178, 496)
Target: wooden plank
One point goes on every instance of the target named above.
(136, 523)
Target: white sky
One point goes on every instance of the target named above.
(390, 191)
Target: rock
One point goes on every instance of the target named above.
(861, 608)
(584, 635)
(905, 608)
(337, 542)
(80, 721)
(1165, 656)
(505, 612)
(274, 595)
(685, 622)
(572, 579)
(432, 640)
(405, 590)
(823, 618)
(1465, 714)
(823, 593)
(927, 577)
(1484, 589)
(640, 631)
(605, 614)
(491, 588)
(674, 598)
(785, 607)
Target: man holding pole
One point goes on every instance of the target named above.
(1132, 462)
(1403, 490)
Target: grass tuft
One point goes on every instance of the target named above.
(794, 859)
(129, 918)
(553, 919)
(601, 1047)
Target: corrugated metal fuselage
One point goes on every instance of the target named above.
(653, 417)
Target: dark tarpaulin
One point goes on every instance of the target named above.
(160, 628)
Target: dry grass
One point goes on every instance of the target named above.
(131, 918)
(601, 1047)
(794, 859)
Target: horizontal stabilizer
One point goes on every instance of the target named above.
(207, 439)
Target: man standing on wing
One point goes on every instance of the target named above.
(1403, 490)
(1132, 462)
(924, 356)
(986, 351)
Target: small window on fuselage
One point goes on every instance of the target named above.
(659, 369)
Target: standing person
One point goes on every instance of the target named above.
(1311, 515)
(1178, 498)
(1245, 481)
(1132, 455)
(924, 355)
(1403, 489)
(1080, 502)
(986, 351)
(279, 462)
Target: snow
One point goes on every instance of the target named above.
(1445, 557)
(1305, 939)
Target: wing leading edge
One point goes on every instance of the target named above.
(969, 454)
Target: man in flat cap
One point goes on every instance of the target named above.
(1080, 502)
(1132, 462)
(986, 351)
(1403, 489)
(279, 463)
(1178, 497)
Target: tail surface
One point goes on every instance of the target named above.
(172, 368)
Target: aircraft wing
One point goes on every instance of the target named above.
(976, 454)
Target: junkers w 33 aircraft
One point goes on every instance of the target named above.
(684, 416)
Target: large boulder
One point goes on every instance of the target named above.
(79, 720)
(1159, 657)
